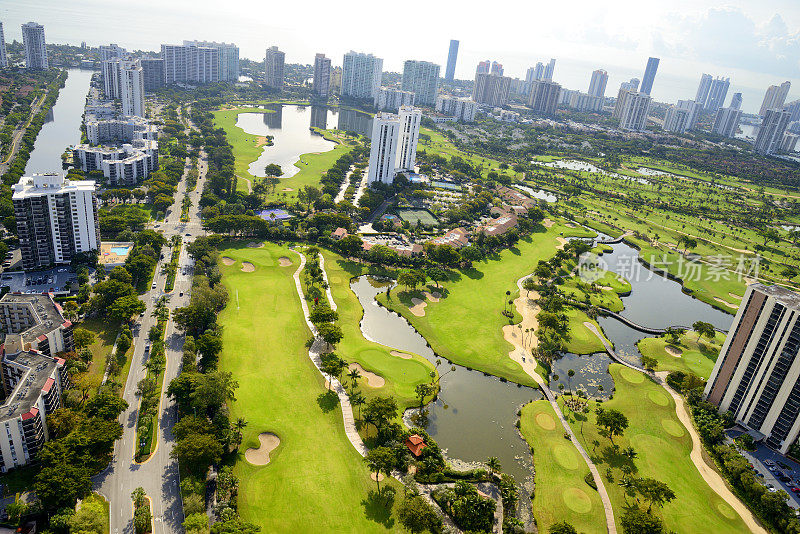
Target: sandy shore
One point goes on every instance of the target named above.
(418, 307)
(523, 342)
(260, 456)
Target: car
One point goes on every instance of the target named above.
(784, 466)
(769, 463)
(772, 468)
(795, 489)
(153, 286)
(784, 478)
(181, 294)
(771, 488)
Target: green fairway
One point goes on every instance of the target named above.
(561, 491)
(315, 481)
(466, 325)
(688, 355)
(246, 150)
(663, 446)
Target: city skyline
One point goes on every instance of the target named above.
(683, 58)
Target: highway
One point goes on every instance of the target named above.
(158, 475)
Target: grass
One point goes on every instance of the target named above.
(697, 356)
(18, 480)
(663, 446)
(466, 325)
(315, 477)
(104, 337)
(561, 491)
(312, 166)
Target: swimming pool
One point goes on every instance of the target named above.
(120, 251)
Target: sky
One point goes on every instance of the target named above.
(755, 43)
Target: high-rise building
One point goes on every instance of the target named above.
(793, 108)
(410, 119)
(544, 97)
(483, 67)
(463, 109)
(597, 86)
(770, 134)
(228, 58)
(703, 89)
(3, 55)
(361, 75)
(452, 57)
(322, 76)
(549, 71)
(274, 61)
(736, 101)
(632, 85)
(497, 68)
(491, 90)
(132, 88)
(775, 97)
(110, 56)
(539, 71)
(153, 72)
(717, 94)
(391, 99)
(394, 144)
(726, 121)
(649, 75)
(682, 116)
(789, 142)
(422, 79)
(56, 219)
(191, 63)
(632, 108)
(757, 374)
(580, 101)
(112, 51)
(35, 46)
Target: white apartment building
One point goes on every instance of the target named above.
(682, 117)
(544, 97)
(703, 89)
(109, 65)
(775, 97)
(127, 165)
(390, 99)
(37, 319)
(770, 134)
(322, 76)
(463, 109)
(361, 75)
(789, 142)
(491, 90)
(597, 85)
(122, 130)
(410, 119)
(56, 219)
(422, 79)
(190, 63)
(3, 55)
(228, 58)
(35, 46)
(632, 108)
(717, 93)
(131, 77)
(274, 61)
(726, 122)
(394, 144)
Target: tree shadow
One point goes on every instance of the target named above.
(474, 274)
(328, 401)
(515, 251)
(616, 459)
(378, 507)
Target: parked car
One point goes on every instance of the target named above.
(769, 463)
(784, 466)
(795, 489)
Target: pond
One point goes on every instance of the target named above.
(290, 128)
(541, 194)
(583, 166)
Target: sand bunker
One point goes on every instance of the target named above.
(248, 267)
(260, 456)
(673, 351)
(570, 225)
(725, 302)
(548, 223)
(377, 477)
(735, 296)
(418, 307)
(261, 141)
(228, 261)
(561, 243)
(255, 244)
(373, 380)
(433, 297)
(287, 189)
(399, 354)
(283, 261)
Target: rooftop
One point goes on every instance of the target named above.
(54, 182)
(44, 309)
(787, 297)
(35, 378)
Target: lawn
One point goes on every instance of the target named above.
(104, 337)
(697, 356)
(561, 491)
(663, 446)
(245, 150)
(466, 325)
(315, 480)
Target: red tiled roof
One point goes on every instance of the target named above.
(415, 444)
(31, 414)
(48, 385)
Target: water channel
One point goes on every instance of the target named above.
(62, 125)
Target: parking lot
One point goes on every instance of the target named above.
(56, 280)
(769, 466)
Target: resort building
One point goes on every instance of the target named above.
(770, 134)
(56, 219)
(422, 79)
(757, 375)
(462, 109)
(391, 99)
(35, 46)
(361, 75)
(274, 61)
(322, 76)
(456, 238)
(127, 165)
(394, 144)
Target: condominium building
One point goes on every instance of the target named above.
(483, 67)
(123, 130)
(757, 374)
(581, 101)
(682, 116)
(770, 134)
(649, 75)
(549, 71)
(394, 144)
(125, 165)
(190, 63)
(421, 78)
(703, 89)
(463, 109)
(789, 142)
(726, 122)
(390, 99)
(775, 97)
(597, 85)
(544, 97)
(110, 56)
(491, 90)
(322, 76)
(632, 109)
(736, 101)
(37, 319)
(228, 58)
(35, 46)
(3, 55)
(361, 75)
(153, 73)
(452, 56)
(717, 94)
(56, 219)
(274, 61)
(132, 88)
(632, 85)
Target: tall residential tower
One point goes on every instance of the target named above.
(452, 56)
(35, 46)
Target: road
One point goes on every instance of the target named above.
(158, 475)
(16, 136)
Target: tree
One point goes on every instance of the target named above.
(493, 464)
(61, 485)
(332, 365)
(350, 246)
(82, 338)
(418, 516)
(106, 406)
(529, 284)
(422, 391)
(612, 421)
(637, 521)
(562, 527)
(16, 510)
(125, 307)
(409, 278)
(380, 460)
(654, 492)
(437, 274)
(273, 169)
(704, 329)
(330, 333)
(197, 452)
(380, 410)
(196, 523)
(89, 519)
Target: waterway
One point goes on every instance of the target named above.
(62, 125)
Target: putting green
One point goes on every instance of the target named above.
(631, 376)
(726, 510)
(659, 398)
(545, 420)
(672, 428)
(567, 455)
(577, 500)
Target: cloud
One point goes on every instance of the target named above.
(728, 37)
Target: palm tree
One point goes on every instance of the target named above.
(354, 375)
(358, 400)
(493, 464)
(570, 374)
